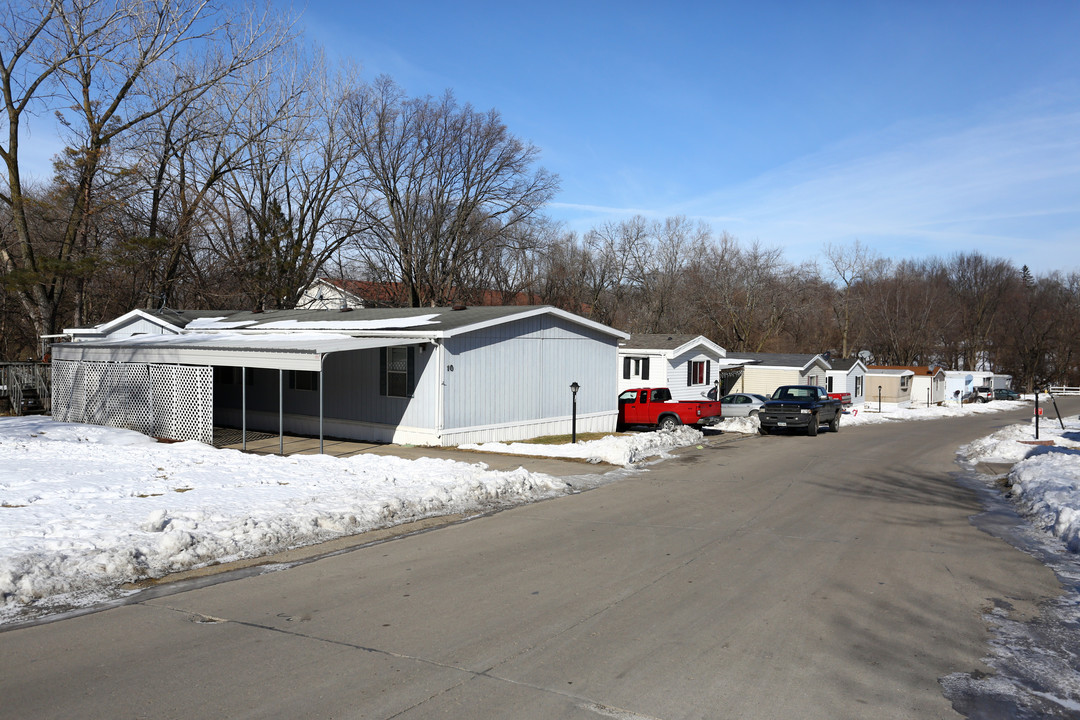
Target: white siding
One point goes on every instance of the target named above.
(137, 326)
(677, 376)
(658, 370)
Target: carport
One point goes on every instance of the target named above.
(163, 385)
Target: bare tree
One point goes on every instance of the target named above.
(979, 285)
(443, 182)
(103, 65)
(285, 209)
(749, 295)
(903, 302)
(846, 267)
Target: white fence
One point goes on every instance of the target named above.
(1063, 390)
(174, 402)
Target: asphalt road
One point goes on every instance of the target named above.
(759, 577)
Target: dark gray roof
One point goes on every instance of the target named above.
(799, 360)
(846, 364)
(657, 341)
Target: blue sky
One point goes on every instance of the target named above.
(920, 128)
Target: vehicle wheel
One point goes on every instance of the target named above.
(753, 413)
(669, 423)
(834, 424)
(763, 430)
(812, 428)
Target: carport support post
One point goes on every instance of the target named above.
(243, 407)
(281, 411)
(322, 359)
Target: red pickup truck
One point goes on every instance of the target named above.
(654, 406)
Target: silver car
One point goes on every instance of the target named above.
(741, 404)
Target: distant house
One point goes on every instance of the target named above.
(889, 385)
(689, 365)
(764, 372)
(848, 375)
(927, 383)
(425, 376)
(959, 383)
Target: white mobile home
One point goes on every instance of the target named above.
(688, 365)
(847, 376)
(425, 376)
(958, 383)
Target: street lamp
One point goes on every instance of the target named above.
(879, 399)
(574, 387)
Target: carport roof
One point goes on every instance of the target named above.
(287, 351)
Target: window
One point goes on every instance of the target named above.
(905, 380)
(698, 372)
(396, 371)
(635, 368)
(828, 383)
(859, 385)
(303, 380)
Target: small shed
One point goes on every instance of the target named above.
(423, 376)
(688, 365)
(847, 375)
(764, 372)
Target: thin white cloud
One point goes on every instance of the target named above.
(1007, 187)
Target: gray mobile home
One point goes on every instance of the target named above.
(425, 376)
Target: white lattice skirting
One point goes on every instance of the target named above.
(175, 402)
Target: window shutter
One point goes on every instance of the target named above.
(708, 372)
(626, 368)
(382, 370)
(411, 363)
(689, 373)
(645, 369)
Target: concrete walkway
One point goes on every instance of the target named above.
(263, 443)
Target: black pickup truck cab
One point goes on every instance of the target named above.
(800, 406)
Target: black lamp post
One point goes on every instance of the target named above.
(879, 399)
(574, 387)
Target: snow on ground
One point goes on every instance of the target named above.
(615, 449)
(1045, 480)
(84, 509)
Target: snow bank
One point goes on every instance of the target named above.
(626, 449)
(84, 509)
(1045, 481)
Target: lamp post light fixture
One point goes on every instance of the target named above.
(574, 387)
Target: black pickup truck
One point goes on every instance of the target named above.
(800, 406)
